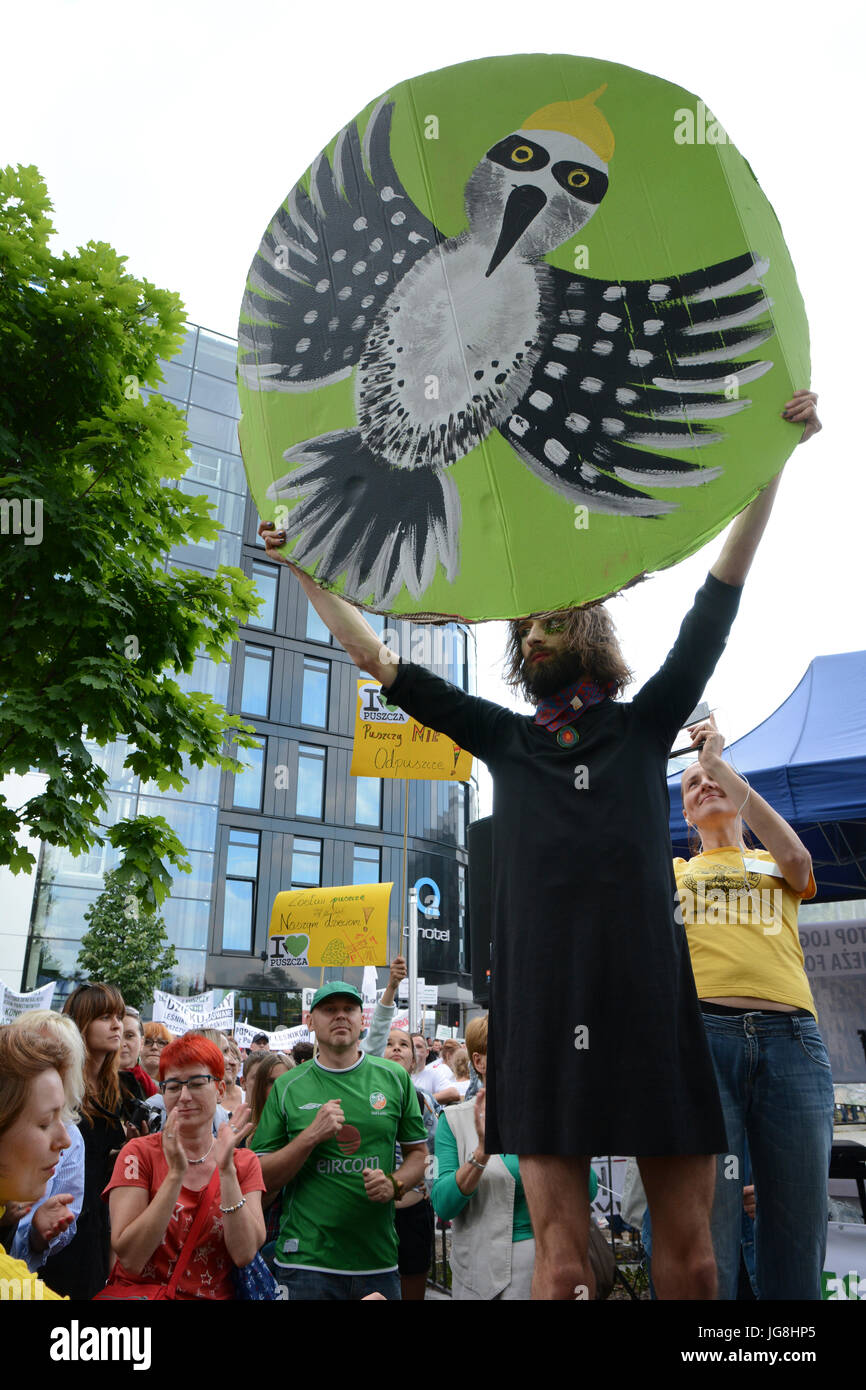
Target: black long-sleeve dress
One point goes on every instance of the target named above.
(595, 1043)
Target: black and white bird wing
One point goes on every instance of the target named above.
(328, 262)
(630, 371)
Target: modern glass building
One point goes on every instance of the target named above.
(294, 817)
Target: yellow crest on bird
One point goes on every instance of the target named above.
(579, 118)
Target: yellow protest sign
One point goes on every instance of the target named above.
(330, 926)
(389, 743)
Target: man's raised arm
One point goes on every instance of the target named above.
(344, 622)
(739, 549)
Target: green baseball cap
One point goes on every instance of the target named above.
(336, 987)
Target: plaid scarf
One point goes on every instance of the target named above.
(569, 703)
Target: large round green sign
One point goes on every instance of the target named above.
(522, 333)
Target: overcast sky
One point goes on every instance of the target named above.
(174, 130)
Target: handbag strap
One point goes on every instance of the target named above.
(205, 1202)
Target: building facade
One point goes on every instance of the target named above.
(294, 817)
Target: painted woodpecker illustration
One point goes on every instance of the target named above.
(593, 384)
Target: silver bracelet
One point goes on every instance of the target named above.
(237, 1206)
(475, 1164)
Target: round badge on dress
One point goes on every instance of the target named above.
(567, 737)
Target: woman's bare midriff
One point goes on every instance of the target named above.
(736, 1001)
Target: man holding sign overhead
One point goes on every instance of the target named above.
(584, 910)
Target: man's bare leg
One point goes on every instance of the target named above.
(557, 1190)
(679, 1191)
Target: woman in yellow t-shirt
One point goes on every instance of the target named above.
(739, 907)
(32, 1136)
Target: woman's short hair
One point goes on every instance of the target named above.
(133, 1013)
(212, 1034)
(47, 1023)
(157, 1030)
(262, 1074)
(24, 1056)
(476, 1036)
(192, 1050)
(459, 1064)
(234, 1048)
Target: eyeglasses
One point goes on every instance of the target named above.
(192, 1083)
(155, 1042)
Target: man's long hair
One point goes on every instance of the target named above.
(590, 633)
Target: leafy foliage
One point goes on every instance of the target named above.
(125, 944)
(92, 625)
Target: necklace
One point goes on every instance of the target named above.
(204, 1156)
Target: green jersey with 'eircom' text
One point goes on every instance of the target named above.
(328, 1220)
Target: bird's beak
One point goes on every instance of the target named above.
(524, 203)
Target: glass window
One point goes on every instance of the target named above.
(216, 355)
(242, 866)
(52, 960)
(202, 784)
(111, 757)
(248, 784)
(461, 815)
(197, 883)
(186, 922)
(314, 702)
(242, 859)
(206, 427)
(208, 555)
(194, 825)
(306, 863)
(210, 677)
(255, 695)
(311, 780)
(377, 622)
(459, 677)
(266, 580)
(60, 911)
(214, 394)
(316, 630)
(226, 507)
(365, 864)
(187, 351)
(222, 470)
(188, 977)
(368, 800)
(176, 383)
(238, 916)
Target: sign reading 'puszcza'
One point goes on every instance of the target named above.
(388, 743)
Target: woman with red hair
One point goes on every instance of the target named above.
(186, 1204)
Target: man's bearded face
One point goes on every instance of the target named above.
(548, 664)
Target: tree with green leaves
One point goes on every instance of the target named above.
(125, 945)
(93, 627)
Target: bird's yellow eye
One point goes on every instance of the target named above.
(522, 154)
(578, 178)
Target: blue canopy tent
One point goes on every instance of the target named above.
(808, 759)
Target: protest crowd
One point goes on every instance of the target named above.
(142, 1162)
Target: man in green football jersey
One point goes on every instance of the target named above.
(327, 1135)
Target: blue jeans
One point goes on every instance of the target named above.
(777, 1095)
(317, 1284)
